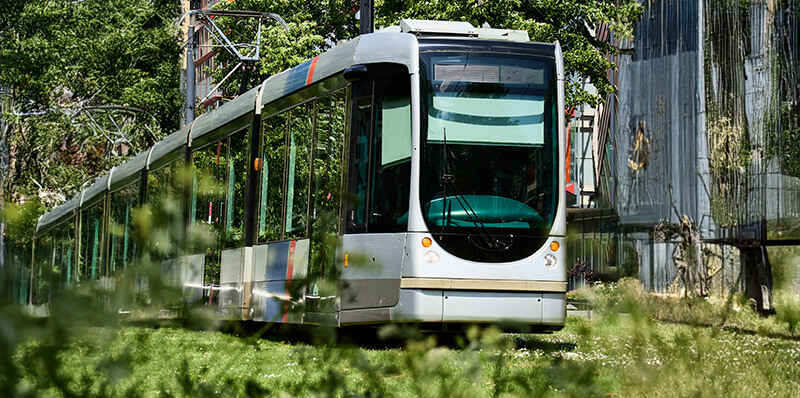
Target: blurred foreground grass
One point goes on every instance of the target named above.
(621, 355)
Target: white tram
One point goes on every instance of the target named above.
(415, 174)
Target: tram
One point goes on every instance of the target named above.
(415, 174)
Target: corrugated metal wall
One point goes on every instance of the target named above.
(658, 117)
(707, 128)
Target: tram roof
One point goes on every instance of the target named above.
(381, 47)
(129, 170)
(237, 108)
(373, 48)
(58, 213)
(388, 46)
(98, 187)
(159, 155)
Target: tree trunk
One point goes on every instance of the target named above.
(757, 277)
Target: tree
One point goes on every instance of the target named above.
(572, 23)
(83, 85)
(70, 67)
(318, 24)
(314, 26)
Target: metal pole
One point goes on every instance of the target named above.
(246, 67)
(190, 79)
(367, 16)
(612, 129)
(3, 166)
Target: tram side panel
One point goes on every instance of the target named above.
(300, 197)
(370, 276)
(279, 283)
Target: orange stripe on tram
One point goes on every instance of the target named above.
(289, 272)
(311, 70)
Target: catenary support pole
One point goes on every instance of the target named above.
(367, 16)
(190, 95)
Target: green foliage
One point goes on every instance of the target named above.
(626, 356)
(60, 59)
(547, 21)
(736, 312)
(85, 349)
(314, 26)
(21, 220)
(785, 263)
(317, 25)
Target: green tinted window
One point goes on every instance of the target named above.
(91, 233)
(326, 191)
(328, 156)
(298, 177)
(235, 189)
(164, 195)
(122, 248)
(43, 269)
(361, 130)
(210, 165)
(164, 184)
(380, 156)
(390, 178)
(66, 242)
(272, 184)
(210, 171)
(481, 99)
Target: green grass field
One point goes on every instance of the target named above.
(625, 356)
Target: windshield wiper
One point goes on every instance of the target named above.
(492, 243)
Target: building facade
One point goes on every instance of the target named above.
(701, 163)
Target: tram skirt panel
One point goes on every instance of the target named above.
(279, 282)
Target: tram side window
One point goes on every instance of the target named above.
(327, 182)
(298, 171)
(122, 250)
(20, 289)
(164, 185)
(63, 245)
(326, 185)
(164, 196)
(236, 183)
(380, 156)
(272, 184)
(91, 234)
(208, 199)
(359, 156)
(337, 147)
(208, 203)
(66, 247)
(391, 157)
(43, 269)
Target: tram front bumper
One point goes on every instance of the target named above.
(475, 306)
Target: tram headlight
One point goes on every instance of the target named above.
(550, 261)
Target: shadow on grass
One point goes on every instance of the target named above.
(536, 342)
(369, 337)
(383, 337)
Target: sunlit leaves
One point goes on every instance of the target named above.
(60, 57)
(571, 23)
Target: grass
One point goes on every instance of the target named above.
(618, 355)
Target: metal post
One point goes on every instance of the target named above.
(246, 67)
(367, 15)
(190, 79)
(577, 149)
(612, 131)
(3, 167)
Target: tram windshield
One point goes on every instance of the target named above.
(489, 162)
